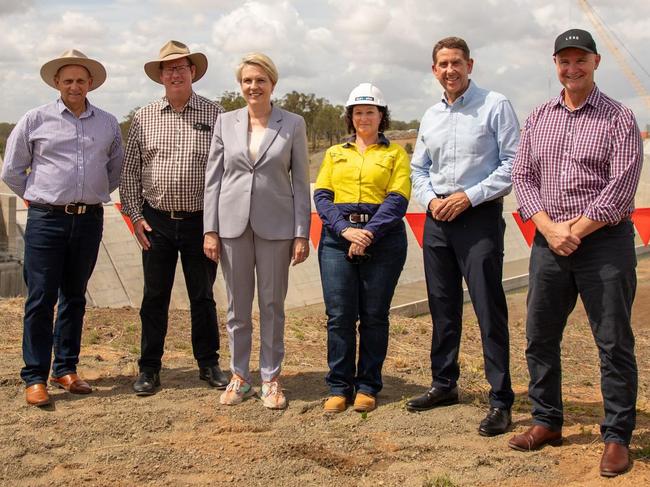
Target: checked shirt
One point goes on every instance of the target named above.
(582, 162)
(166, 155)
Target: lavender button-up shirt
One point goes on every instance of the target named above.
(56, 158)
(581, 162)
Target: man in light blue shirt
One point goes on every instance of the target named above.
(460, 172)
(64, 159)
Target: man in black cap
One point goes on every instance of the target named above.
(575, 175)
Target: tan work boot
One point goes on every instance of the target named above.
(364, 403)
(335, 404)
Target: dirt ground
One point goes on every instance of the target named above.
(182, 436)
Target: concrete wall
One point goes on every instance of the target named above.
(117, 280)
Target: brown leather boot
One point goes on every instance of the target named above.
(534, 438)
(72, 383)
(37, 395)
(615, 460)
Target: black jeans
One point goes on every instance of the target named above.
(359, 293)
(168, 238)
(470, 247)
(60, 255)
(602, 272)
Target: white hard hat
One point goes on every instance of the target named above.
(366, 94)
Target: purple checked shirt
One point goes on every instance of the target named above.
(56, 158)
(582, 162)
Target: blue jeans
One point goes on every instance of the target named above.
(60, 255)
(358, 292)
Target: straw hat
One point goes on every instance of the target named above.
(72, 56)
(176, 50)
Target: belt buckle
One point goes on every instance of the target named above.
(76, 209)
(173, 216)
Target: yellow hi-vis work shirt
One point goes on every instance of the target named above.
(354, 177)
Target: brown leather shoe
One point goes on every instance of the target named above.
(615, 460)
(37, 395)
(72, 383)
(534, 438)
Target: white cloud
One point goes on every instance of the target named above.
(321, 47)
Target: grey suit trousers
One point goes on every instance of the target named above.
(242, 259)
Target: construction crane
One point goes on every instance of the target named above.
(616, 52)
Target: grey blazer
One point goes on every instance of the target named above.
(272, 192)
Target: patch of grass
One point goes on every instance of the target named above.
(398, 329)
(93, 337)
(439, 481)
(642, 453)
(299, 334)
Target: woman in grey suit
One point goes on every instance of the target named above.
(256, 220)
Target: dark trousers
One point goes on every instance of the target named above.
(358, 293)
(60, 255)
(602, 272)
(470, 247)
(169, 237)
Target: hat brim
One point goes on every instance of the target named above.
(582, 48)
(95, 68)
(198, 59)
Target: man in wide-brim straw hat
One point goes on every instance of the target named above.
(162, 193)
(64, 159)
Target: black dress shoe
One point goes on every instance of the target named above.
(496, 422)
(147, 384)
(214, 376)
(433, 398)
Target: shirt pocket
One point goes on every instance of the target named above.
(386, 162)
(200, 145)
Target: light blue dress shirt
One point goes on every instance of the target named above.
(53, 157)
(467, 146)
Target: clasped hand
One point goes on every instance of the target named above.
(359, 239)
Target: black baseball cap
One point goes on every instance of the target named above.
(578, 38)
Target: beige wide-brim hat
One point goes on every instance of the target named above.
(176, 50)
(72, 56)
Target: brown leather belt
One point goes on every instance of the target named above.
(359, 217)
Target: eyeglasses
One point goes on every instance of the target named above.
(182, 69)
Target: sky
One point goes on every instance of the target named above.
(325, 47)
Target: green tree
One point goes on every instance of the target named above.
(126, 124)
(231, 100)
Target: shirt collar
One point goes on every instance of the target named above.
(465, 97)
(90, 109)
(383, 140)
(193, 102)
(593, 99)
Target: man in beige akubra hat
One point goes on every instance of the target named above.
(64, 159)
(162, 193)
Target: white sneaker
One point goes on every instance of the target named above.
(238, 389)
(272, 396)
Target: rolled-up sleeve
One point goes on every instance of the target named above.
(614, 202)
(131, 175)
(526, 176)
